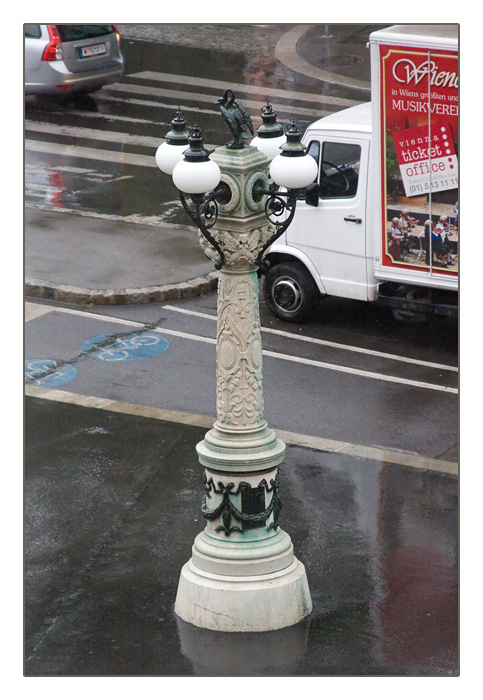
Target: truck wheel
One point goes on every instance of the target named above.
(290, 292)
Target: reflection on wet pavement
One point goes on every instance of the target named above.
(112, 508)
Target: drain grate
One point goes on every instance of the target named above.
(340, 61)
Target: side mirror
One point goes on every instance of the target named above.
(312, 195)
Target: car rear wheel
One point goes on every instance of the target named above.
(290, 292)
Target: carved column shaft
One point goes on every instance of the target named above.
(239, 397)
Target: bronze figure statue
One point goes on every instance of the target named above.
(237, 119)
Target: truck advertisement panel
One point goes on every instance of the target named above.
(419, 118)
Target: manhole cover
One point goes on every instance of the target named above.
(340, 61)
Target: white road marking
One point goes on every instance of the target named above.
(109, 94)
(90, 153)
(35, 310)
(275, 355)
(362, 373)
(292, 95)
(328, 343)
(390, 457)
(41, 169)
(181, 96)
(95, 134)
(130, 218)
(161, 105)
(110, 117)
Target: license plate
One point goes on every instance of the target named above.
(93, 50)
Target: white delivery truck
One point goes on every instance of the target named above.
(380, 224)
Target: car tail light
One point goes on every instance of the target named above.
(118, 36)
(53, 50)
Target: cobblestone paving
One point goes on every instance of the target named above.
(249, 39)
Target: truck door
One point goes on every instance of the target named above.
(333, 235)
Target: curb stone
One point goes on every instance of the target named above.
(41, 289)
(286, 53)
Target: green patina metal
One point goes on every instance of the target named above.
(255, 513)
(237, 119)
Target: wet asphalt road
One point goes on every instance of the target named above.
(354, 375)
(112, 508)
(113, 504)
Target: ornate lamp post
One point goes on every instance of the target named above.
(243, 575)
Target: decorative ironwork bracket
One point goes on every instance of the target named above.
(204, 214)
(277, 204)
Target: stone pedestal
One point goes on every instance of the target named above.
(243, 575)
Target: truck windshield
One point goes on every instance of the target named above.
(339, 170)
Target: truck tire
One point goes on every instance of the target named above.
(290, 292)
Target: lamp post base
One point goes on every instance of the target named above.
(243, 603)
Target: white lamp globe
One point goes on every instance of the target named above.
(270, 136)
(293, 172)
(270, 147)
(293, 168)
(171, 151)
(196, 173)
(168, 155)
(196, 177)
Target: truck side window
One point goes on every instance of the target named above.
(313, 150)
(339, 170)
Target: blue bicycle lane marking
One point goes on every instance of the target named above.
(34, 369)
(141, 346)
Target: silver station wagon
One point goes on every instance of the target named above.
(63, 58)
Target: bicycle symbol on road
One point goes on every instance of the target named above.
(45, 373)
(140, 346)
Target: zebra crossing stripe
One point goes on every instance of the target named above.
(200, 102)
(182, 96)
(292, 95)
(90, 153)
(97, 134)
